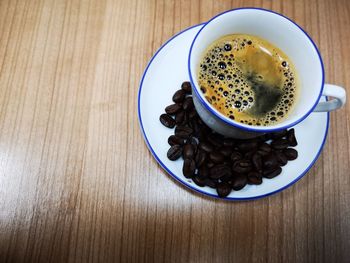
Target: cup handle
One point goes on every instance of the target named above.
(339, 98)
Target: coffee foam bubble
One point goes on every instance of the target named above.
(236, 91)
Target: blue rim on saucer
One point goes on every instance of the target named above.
(158, 159)
(236, 124)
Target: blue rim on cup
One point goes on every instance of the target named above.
(244, 127)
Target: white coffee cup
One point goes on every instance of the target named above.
(292, 40)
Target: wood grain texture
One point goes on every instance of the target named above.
(77, 183)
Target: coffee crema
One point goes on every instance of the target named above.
(248, 79)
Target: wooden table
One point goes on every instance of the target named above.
(77, 182)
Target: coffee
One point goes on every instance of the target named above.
(248, 79)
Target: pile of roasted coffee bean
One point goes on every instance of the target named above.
(218, 162)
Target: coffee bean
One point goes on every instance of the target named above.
(183, 131)
(291, 138)
(198, 180)
(247, 146)
(206, 146)
(194, 142)
(173, 108)
(270, 161)
(210, 164)
(279, 134)
(186, 86)
(280, 144)
(188, 104)
(167, 120)
(180, 117)
(239, 181)
(264, 149)
(215, 139)
(173, 140)
(200, 157)
(228, 142)
(195, 126)
(203, 171)
(226, 151)
(271, 174)
(216, 157)
(291, 154)
(249, 155)
(242, 166)
(210, 182)
(254, 178)
(223, 189)
(174, 152)
(189, 167)
(281, 158)
(219, 171)
(192, 114)
(179, 96)
(235, 156)
(188, 151)
(257, 161)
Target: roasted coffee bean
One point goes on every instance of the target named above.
(215, 139)
(180, 117)
(188, 104)
(223, 189)
(183, 131)
(192, 114)
(189, 167)
(200, 157)
(186, 86)
(226, 151)
(173, 108)
(291, 154)
(173, 140)
(280, 144)
(210, 182)
(270, 161)
(174, 152)
(249, 155)
(254, 178)
(179, 96)
(281, 158)
(206, 146)
(291, 138)
(264, 149)
(268, 136)
(210, 164)
(271, 174)
(263, 138)
(188, 151)
(257, 161)
(194, 125)
(203, 171)
(279, 134)
(235, 156)
(219, 170)
(194, 142)
(239, 181)
(167, 120)
(227, 179)
(228, 142)
(242, 166)
(247, 146)
(198, 180)
(216, 157)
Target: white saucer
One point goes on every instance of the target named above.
(164, 75)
